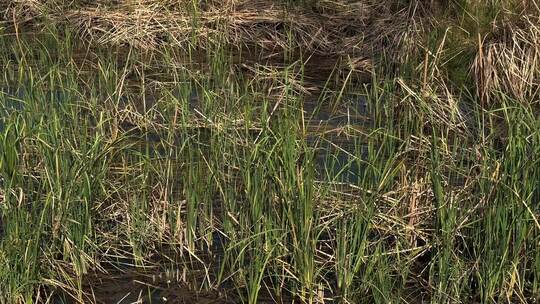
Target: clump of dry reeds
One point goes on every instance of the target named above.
(510, 62)
(331, 27)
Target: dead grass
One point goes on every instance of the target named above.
(330, 27)
(507, 55)
(510, 62)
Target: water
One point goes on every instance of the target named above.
(326, 124)
(334, 152)
(336, 149)
(10, 100)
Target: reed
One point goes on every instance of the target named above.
(219, 161)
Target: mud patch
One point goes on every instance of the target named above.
(131, 287)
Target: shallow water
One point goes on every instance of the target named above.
(326, 122)
(332, 146)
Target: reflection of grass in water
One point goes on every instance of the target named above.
(422, 200)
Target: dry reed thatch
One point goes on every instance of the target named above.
(331, 27)
(507, 59)
(510, 62)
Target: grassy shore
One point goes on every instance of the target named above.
(270, 151)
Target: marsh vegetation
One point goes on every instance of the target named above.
(231, 151)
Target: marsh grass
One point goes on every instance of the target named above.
(202, 166)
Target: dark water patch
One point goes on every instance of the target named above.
(340, 163)
(336, 152)
(335, 155)
(11, 100)
(353, 110)
(144, 287)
